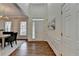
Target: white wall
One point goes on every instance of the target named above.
(47, 12)
(40, 30)
(69, 44)
(24, 7)
(54, 37)
(37, 11)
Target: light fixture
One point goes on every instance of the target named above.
(3, 17)
(12, 17)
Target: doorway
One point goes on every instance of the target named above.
(37, 28)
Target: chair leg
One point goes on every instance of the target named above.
(11, 44)
(1, 44)
(8, 43)
(5, 44)
(15, 42)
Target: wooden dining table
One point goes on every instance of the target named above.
(3, 39)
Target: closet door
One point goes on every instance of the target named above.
(68, 30)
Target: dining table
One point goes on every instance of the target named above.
(3, 39)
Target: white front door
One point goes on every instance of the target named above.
(38, 29)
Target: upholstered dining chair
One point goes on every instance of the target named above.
(11, 38)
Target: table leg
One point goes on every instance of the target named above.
(3, 40)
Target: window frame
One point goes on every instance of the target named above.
(5, 26)
(20, 28)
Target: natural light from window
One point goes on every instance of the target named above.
(8, 26)
(23, 28)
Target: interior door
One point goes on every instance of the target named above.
(39, 27)
(68, 30)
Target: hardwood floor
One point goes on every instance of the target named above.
(34, 49)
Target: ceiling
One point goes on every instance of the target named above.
(34, 10)
(10, 9)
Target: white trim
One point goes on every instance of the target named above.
(30, 39)
(37, 19)
(54, 49)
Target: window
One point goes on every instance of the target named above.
(33, 30)
(23, 28)
(8, 26)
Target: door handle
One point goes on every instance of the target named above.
(61, 34)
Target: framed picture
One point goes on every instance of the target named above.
(51, 25)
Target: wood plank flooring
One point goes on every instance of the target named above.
(38, 48)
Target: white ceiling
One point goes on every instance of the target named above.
(10, 9)
(34, 10)
(24, 7)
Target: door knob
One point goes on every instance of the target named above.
(61, 34)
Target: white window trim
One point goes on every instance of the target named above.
(7, 28)
(25, 28)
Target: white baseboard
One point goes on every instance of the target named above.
(29, 39)
(53, 48)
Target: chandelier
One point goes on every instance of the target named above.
(12, 17)
(4, 17)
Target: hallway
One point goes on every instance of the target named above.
(38, 48)
(55, 23)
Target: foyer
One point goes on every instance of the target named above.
(47, 29)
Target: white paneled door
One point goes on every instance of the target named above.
(68, 29)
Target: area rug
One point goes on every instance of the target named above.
(8, 49)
